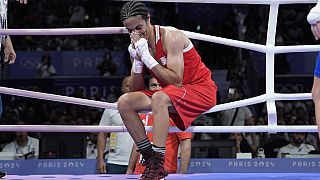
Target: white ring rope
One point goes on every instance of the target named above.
(192, 35)
(122, 30)
(296, 48)
(270, 97)
(271, 39)
(105, 105)
(57, 98)
(225, 41)
(65, 31)
(198, 129)
(237, 1)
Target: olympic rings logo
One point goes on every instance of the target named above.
(290, 88)
(28, 63)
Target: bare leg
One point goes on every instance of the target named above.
(316, 100)
(159, 104)
(128, 105)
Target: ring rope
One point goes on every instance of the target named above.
(192, 35)
(196, 129)
(104, 105)
(270, 97)
(57, 98)
(238, 1)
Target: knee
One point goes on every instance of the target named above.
(123, 103)
(160, 100)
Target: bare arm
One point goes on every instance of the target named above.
(9, 53)
(316, 100)
(101, 143)
(185, 155)
(174, 43)
(279, 155)
(133, 160)
(136, 80)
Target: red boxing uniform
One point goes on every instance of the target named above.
(172, 145)
(198, 91)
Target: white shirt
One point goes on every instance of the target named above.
(92, 149)
(45, 70)
(227, 116)
(291, 149)
(120, 146)
(32, 146)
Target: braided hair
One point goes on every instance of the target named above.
(134, 8)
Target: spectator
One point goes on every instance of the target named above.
(119, 150)
(23, 146)
(230, 117)
(311, 138)
(242, 145)
(45, 68)
(115, 93)
(107, 67)
(273, 143)
(78, 16)
(239, 117)
(92, 149)
(297, 145)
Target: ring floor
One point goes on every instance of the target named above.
(197, 176)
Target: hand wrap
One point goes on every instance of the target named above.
(314, 15)
(137, 65)
(143, 50)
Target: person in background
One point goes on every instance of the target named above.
(92, 143)
(45, 68)
(24, 146)
(242, 145)
(174, 140)
(119, 143)
(296, 146)
(107, 67)
(240, 116)
(9, 52)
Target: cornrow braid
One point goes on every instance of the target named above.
(133, 8)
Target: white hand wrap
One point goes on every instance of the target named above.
(137, 66)
(314, 15)
(143, 50)
(133, 52)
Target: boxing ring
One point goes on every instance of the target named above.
(270, 96)
(216, 176)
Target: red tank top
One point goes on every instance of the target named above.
(194, 69)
